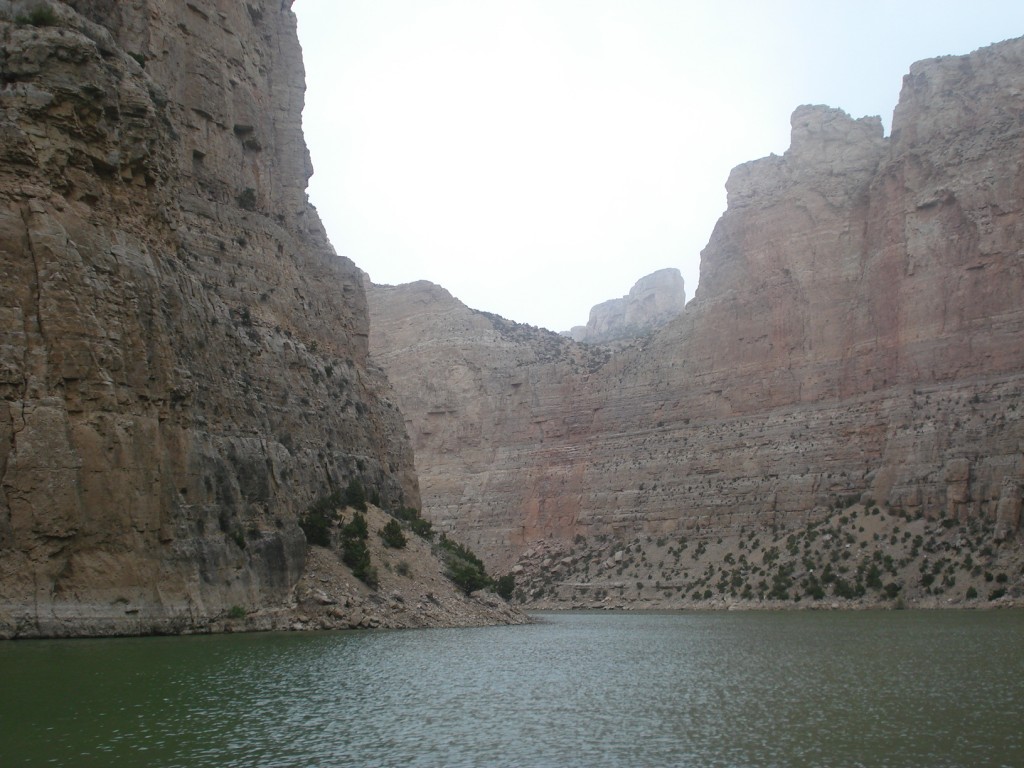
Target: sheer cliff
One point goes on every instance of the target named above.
(183, 357)
(855, 335)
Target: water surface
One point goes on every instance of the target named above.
(734, 689)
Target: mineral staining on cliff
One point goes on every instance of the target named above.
(183, 357)
(855, 335)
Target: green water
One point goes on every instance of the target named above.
(591, 689)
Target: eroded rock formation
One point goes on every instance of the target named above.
(650, 304)
(855, 334)
(183, 357)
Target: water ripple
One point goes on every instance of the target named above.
(711, 690)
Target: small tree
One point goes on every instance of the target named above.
(355, 495)
(464, 568)
(354, 552)
(505, 586)
(392, 535)
(417, 524)
(319, 518)
(356, 528)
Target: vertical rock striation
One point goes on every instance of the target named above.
(183, 357)
(856, 333)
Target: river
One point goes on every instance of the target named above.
(736, 689)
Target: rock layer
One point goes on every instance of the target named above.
(855, 334)
(183, 357)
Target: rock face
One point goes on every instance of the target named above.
(856, 334)
(651, 303)
(183, 357)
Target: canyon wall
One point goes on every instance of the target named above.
(183, 357)
(855, 335)
(652, 302)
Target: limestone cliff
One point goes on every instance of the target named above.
(856, 334)
(183, 357)
(650, 304)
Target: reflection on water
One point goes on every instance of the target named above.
(693, 689)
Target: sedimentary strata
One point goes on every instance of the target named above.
(855, 334)
(183, 356)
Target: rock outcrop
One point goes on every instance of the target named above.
(855, 335)
(183, 356)
(650, 304)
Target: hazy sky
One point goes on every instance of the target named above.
(537, 157)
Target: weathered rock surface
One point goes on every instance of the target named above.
(856, 333)
(183, 357)
(650, 304)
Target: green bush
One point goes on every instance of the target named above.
(417, 524)
(355, 495)
(467, 576)
(356, 555)
(465, 569)
(247, 199)
(505, 586)
(356, 529)
(354, 552)
(319, 518)
(237, 612)
(972, 593)
(40, 16)
(422, 528)
(392, 535)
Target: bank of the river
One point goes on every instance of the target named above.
(855, 557)
(411, 589)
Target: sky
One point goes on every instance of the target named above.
(538, 157)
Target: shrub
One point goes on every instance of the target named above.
(392, 535)
(355, 495)
(321, 515)
(422, 528)
(505, 586)
(356, 555)
(417, 524)
(247, 199)
(972, 593)
(237, 612)
(40, 16)
(356, 529)
(465, 569)
(402, 568)
(354, 552)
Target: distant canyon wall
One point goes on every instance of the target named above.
(651, 303)
(183, 357)
(856, 333)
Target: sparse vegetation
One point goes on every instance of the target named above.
(39, 16)
(850, 554)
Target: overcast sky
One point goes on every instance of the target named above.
(537, 157)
